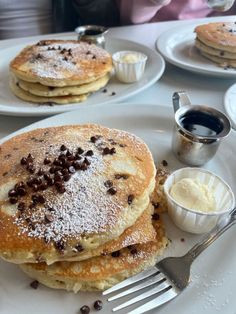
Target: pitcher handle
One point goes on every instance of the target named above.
(180, 99)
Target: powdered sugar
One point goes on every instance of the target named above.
(65, 59)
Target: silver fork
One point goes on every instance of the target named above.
(169, 277)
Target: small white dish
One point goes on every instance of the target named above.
(229, 104)
(191, 220)
(129, 65)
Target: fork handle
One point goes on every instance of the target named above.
(210, 237)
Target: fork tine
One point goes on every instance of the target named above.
(155, 279)
(164, 285)
(158, 301)
(144, 274)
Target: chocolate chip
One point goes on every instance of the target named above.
(13, 200)
(89, 153)
(30, 158)
(71, 157)
(76, 164)
(121, 176)
(222, 53)
(122, 145)
(21, 191)
(43, 186)
(113, 94)
(58, 178)
(57, 162)
(130, 199)
(23, 161)
(155, 216)
(106, 151)
(133, 251)
(164, 163)
(60, 245)
(155, 205)
(112, 191)
(30, 168)
(12, 193)
(47, 161)
(40, 172)
(79, 248)
(41, 199)
(48, 218)
(86, 161)
(35, 187)
(115, 254)
(108, 184)
(84, 166)
(21, 206)
(104, 90)
(98, 305)
(67, 164)
(66, 177)
(80, 151)
(60, 188)
(94, 139)
(52, 169)
(34, 284)
(85, 309)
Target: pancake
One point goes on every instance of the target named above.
(100, 273)
(141, 232)
(222, 62)
(218, 35)
(68, 189)
(49, 91)
(215, 52)
(60, 100)
(61, 63)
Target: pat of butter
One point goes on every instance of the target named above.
(192, 194)
(129, 58)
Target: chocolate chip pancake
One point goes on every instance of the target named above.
(217, 42)
(49, 91)
(59, 100)
(102, 272)
(61, 63)
(66, 190)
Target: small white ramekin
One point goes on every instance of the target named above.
(129, 72)
(194, 221)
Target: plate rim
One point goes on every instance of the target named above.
(57, 109)
(227, 105)
(162, 40)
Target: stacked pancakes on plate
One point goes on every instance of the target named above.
(217, 42)
(59, 71)
(77, 210)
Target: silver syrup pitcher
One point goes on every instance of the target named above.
(198, 130)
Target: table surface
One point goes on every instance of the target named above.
(202, 89)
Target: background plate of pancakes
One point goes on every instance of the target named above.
(213, 273)
(114, 91)
(177, 46)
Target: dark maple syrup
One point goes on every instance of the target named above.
(201, 123)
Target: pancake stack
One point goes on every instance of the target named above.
(217, 42)
(77, 209)
(59, 71)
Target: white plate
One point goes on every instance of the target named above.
(11, 105)
(177, 47)
(230, 104)
(213, 274)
